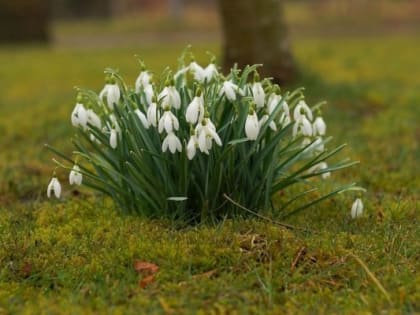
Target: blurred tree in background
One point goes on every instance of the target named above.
(23, 20)
(255, 33)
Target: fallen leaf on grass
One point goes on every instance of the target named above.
(147, 270)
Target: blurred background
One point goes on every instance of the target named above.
(360, 55)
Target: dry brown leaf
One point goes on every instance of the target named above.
(145, 268)
(143, 283)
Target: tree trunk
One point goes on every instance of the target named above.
(255, 33)
(23, 20)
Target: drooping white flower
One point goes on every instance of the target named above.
(302, 109)
(357, 208)
(79, 116)
(148, 93)
(206, 133)
(54, 187)
(112, 94)
(302, 126)
(229, 89)
(172, 142)
(168, 122)
(153, 114)
(319, 167)
(272, 124)
(319, 126)
(142, 118)
(192, 147)
(197, 71)
(114, 123)
(252, 126)
(75, 177)
(113, 138)
(258, 94)
(195, 110)
(93, 119)
(170, 98)
(272, 102)
(142, 80)
(210, 72)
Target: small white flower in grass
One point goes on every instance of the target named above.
(75, 177)
(206, 133)
(168, 122)
(192, 147)
(153, 114)
(93, 119)
(195, 110)
(142, 118)
(229, 89)
(210, 72)
(319, 126)
(142, 80)
(113, 138)
(252, 126)
(320, 167)
(170, 97)
(54, 187)
(149, 93)
(272, 124)
(302, 109)
(79, 116)
(356, 208)
(114, 123)
(112, 94)
(273, 102)
(302, 126)
(197, 71)
(258, 94)
(172, 142)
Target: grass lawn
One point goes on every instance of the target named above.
(76, 255)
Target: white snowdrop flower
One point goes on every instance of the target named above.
(195, 110)
(272, 124)
(168, 122)
(273, 102)
(356, 208)
(149, 93)
(229, 89)
(210, 72)
(302, 126)
(302, 109)
(79, 116)
(153, 114)
(114, 123)
(206, 133)
(75, 177)
(93, 119)
(197, 71)
(252, 126)
(319, 167)
(112, 94)
(258, 94)
(172, 142)
(113, 138)
(142, 80)
(192, 147)
(319, 126)
(142, 118)
(54, 187)
(170, 97)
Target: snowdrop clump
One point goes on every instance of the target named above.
(176, 145)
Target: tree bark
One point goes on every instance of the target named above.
(255, 33)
